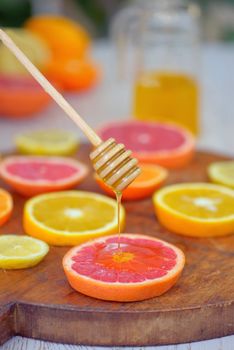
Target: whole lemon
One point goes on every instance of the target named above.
(31, 44)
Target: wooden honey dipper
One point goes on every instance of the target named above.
(111, 161)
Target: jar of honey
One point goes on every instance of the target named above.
(162, 39)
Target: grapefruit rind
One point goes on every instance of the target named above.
(28, 187)
(176, 158)
(5, 214)
(182, 224)
(37, 229)
(122, 292)
(30, 260)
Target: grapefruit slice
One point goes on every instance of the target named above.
(196, 209)
(71, 217)
(165, 144)
(20, 252)
(47, 142)
(6, 206)
(140, 268)
(152, 177)
(31, 175)
(21, 96)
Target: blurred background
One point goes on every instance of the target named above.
(96, 15)
(89, 49)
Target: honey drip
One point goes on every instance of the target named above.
(118, 199)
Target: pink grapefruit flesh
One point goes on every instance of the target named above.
(141, 267)
(162, 143)
(31, 175)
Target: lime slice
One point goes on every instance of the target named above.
(222, 173)
(51, 142)
(19, 252)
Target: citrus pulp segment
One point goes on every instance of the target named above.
(19, 252)
(71, 217)
(152, 142)
(222, 173)
(141, 267)
(152, 176)
(6, 206)
(196, 209)
(31, 175)
(47, 142)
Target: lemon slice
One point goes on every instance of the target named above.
(51, 142)
(19, 252)
(222, 173)
(71, 217)
(196, 209)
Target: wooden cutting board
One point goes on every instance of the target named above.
(39, 303)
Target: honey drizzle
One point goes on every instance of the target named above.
(118, 199)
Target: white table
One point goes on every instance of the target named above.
(111, 101)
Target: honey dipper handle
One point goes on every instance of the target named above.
(59, 99)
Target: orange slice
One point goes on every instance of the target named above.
(141, 267)
(151, 177)
(196, 209)
(6, 206)
(71, 217)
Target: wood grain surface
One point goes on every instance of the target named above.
(39, 303)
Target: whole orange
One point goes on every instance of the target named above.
(64, 36)
(73, 74)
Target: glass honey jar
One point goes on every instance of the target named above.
(159, 41)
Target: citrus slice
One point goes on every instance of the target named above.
(164, 144)
(19, 252)
(47, 142)
(222, 173)
(152, 177)
(196, 209)
(6, 206)
(141, 267)
(21, 96)
(31, 175)
(71, 217)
